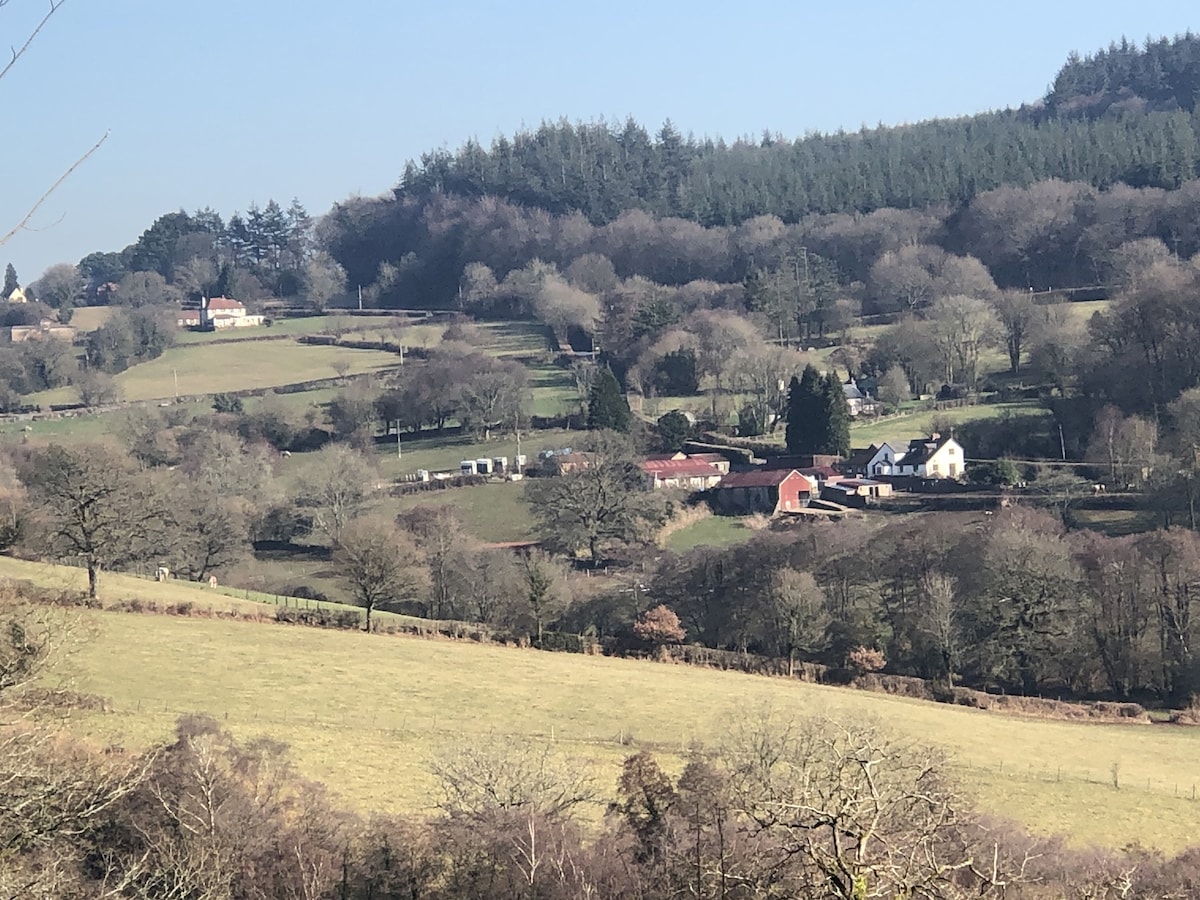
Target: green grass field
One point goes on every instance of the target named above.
(553, 389)
(1084, 310)
(231, 367)
(491, 512)
(365, 714)
(918, 422)
(209, 369)
(717, 531)
(89, 318)
(355, 328)
(443, 453)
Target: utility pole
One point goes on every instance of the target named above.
(517, 429)
(399, 449)
(175, 373)
(360, 298)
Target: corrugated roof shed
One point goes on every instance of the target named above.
(759, 478)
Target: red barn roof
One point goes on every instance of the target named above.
(761, 478)
(678, 468)
(224, 303)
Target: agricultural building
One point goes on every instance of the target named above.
(690, 474)
(47, 329)
(766, 491)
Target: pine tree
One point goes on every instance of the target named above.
(607, 407)
(10, 282)
(835, 415)
(806, 427)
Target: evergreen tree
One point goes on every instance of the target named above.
(835, 415)
(10, 282)
(806, 426)
(224, 286)
(674, 430)
(607, 407)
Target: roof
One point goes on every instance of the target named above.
(571, 459)
(760, 478)
(859, 457)
(921, 449)
(678, 468)
(224, 303)
(821, 472)
(850, 389)
(716, 458)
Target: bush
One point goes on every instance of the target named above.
(658, 626)
(866, 659)
(227, 403)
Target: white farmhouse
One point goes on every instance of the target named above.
(934, 457)
(222, 312)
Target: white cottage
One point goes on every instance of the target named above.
(934, 457)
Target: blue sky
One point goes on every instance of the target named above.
(230, 101)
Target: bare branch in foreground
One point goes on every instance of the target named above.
(50, 190)
(18, 53)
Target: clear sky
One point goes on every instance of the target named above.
(225, 102)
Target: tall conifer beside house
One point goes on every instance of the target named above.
(805, 422)
(835, 416)
(607, 406)
(11, 283)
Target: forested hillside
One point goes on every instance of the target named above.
(1042, 194)
(1146, 138)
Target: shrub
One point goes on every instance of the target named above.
(227, 403)
(866, 659)
(659, 626)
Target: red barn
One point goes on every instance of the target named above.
(767, 491)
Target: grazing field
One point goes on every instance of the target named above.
(1085, 309)
(716, 531)
(918, 422)
(239, 366)
(366, 714)
(89, 318)
(443, 453)
(1115, 522)
(211, 368)
(354, 328)
(491, 512)
(553, 389)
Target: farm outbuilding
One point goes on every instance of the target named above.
(690, 474)
(859, 492)
(766, 491)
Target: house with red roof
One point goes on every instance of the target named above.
(688, 473)
(223, 312)
(766, 491)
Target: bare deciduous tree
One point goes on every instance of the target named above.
(335, 487)
(379, 563)
(93, 507)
